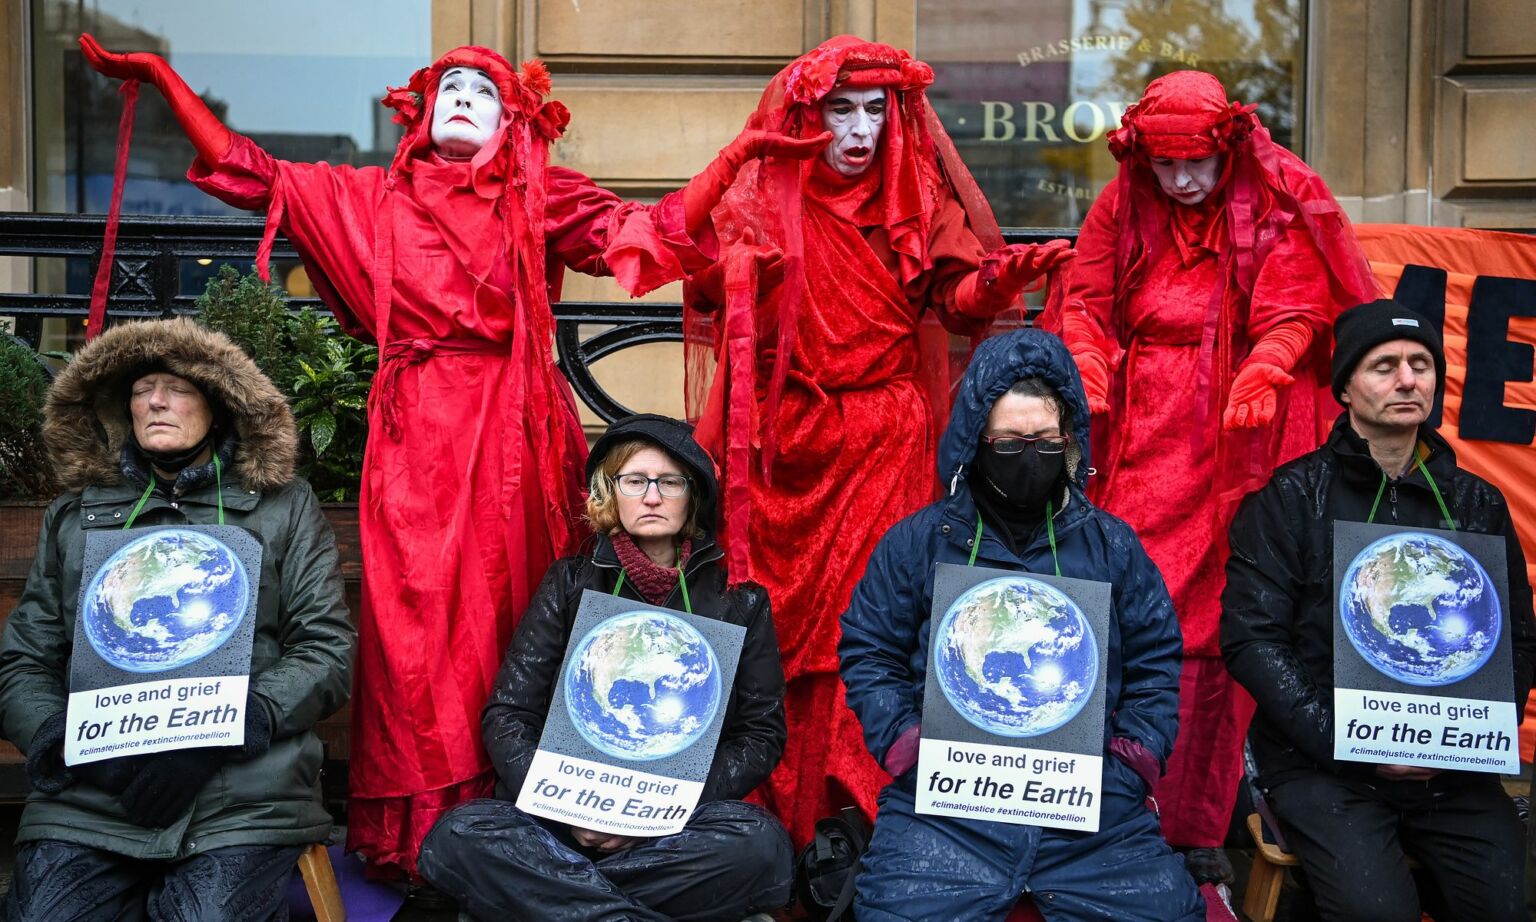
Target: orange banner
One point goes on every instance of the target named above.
(1481, 287)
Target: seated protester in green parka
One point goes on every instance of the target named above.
(167, 423)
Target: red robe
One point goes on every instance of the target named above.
(855, 454)
(460, 513)
(1165, 466)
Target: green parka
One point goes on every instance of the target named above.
(302, 649)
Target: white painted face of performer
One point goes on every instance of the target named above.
(466, 114)
(1187, 182)
(855, 118)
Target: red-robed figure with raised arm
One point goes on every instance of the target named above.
(471, 482)
(1208, 275)
(824, 326)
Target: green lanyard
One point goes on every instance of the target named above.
(1050, 534)
(1439, 500)
(218, 480)
(682, 583)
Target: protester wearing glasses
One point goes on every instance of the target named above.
(652, 505)
(1015, 459)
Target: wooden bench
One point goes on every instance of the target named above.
(320, 884)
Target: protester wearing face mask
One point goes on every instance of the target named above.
(820, 362)
(1015, 456)
(1197, 311)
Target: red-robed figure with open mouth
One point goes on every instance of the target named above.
(819, 361)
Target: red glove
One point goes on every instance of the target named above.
(1077, 331)
(208, 135)
(709, 283)
(1004, 273)
(1254, 396)
(1255, 391)
(1023, 263)
(705, 190)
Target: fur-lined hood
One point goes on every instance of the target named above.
(86, 417)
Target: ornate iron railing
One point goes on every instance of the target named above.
(153, 253)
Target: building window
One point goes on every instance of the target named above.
(301, 78)
(1028, 89)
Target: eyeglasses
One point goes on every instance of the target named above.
(1015, 444)
(670, 486)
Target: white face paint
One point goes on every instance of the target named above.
(855, 118)
(466, 114)
(1187, 182)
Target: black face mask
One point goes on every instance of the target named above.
(1025, 480)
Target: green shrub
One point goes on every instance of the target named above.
(24, 469)
(324, 373)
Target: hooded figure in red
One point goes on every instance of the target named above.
(1208, 276)
(471, 483)
(817, 362)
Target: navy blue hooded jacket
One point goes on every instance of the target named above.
(884, 648)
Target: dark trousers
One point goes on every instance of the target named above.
(1353, 838)
(926, 868)
(731, 860)
(61, 882)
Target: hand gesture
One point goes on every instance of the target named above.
(1022, 263)
(1254, 396)
(772, 144)
(137, 65)
(1094, 370)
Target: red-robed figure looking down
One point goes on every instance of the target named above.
(1208, 276)
(816, 359)
(471, 481)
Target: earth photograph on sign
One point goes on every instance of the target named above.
(165, 600)
(642, 686)
(1420, 609)
(1422, 662)
(635, 719)
(1016, 657)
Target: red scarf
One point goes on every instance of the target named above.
(653, 581)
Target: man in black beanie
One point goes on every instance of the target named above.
(1351, 824)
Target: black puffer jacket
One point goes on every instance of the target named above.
(752, 737)
(1277, 609)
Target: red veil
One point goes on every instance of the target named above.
(737, 358)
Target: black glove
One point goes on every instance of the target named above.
(167, 784)
(110, 775)
(45, 757)
(258, 730)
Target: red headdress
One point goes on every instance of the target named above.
(764, 207)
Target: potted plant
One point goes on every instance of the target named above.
(26, 477)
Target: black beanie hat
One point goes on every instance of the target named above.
(1360, 329)
(673, 436)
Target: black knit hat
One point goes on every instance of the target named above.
(673, 436)
(1360, 329)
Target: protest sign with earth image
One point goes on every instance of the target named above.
(163, 630)
(1422, 658)
(1013, 711)
(634, 719)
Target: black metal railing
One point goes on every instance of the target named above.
(155, 257)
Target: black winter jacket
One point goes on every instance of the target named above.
(752, 737)
(1277, 609)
